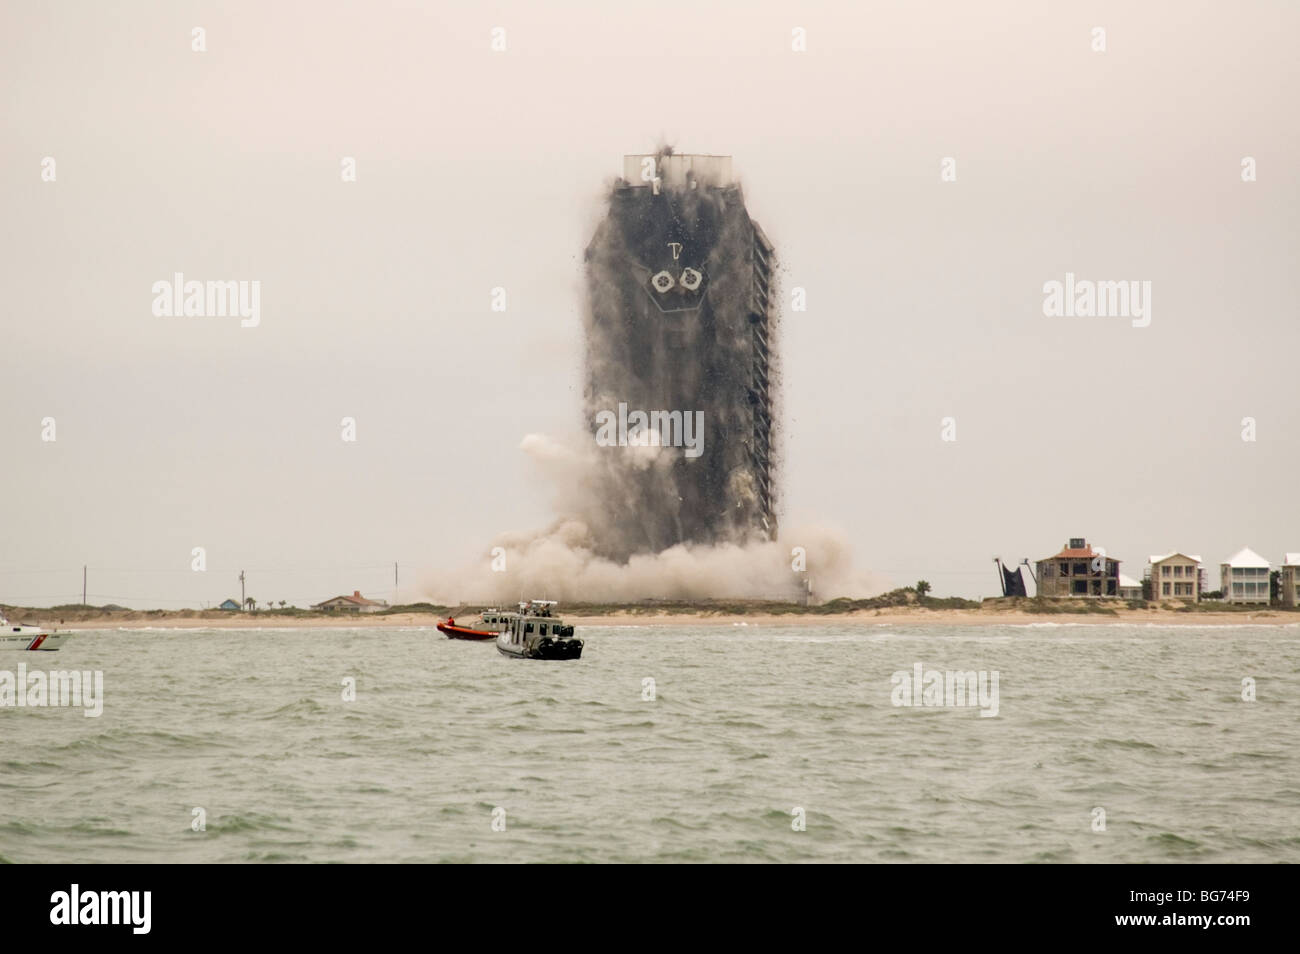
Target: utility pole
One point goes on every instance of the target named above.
(83, 584)
(394, 584)
(241, 591)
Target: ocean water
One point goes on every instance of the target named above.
(748, 726)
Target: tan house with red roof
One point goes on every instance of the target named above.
(1080, 571)
(356, 603)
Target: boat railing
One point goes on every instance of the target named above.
(537, 607)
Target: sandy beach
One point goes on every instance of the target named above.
(903, 615)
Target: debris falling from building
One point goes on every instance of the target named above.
(681, 320)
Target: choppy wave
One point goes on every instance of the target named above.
(664, 743)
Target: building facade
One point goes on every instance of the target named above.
(1243, 577)
(356, 603)
(682, 318)
(1176, 576)
(1290, 580)
(1079, 570)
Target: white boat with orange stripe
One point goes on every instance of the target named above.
(29, 637)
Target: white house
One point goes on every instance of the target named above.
(1175, 576)
(1129, 588)
(1244, 577)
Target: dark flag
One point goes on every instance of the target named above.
(1013, 584)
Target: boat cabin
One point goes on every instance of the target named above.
(497, 617)
(535, 619)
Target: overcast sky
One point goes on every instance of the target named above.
(478, 169)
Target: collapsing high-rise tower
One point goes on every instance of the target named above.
(681, 321)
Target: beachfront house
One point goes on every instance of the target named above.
(1129, 588)
(1290, 580)
(1080, 571)
(1176, 576)
(229, 605)
(1244, 577)
(356, 603)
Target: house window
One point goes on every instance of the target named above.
(1081, 587)
(1164, 589)
(1081, 569)
(1065, 568)
(1164, 571)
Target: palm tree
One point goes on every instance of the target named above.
(281, 604)
(922, 587)
(251, 603)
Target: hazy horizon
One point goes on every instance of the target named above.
(478, 169)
